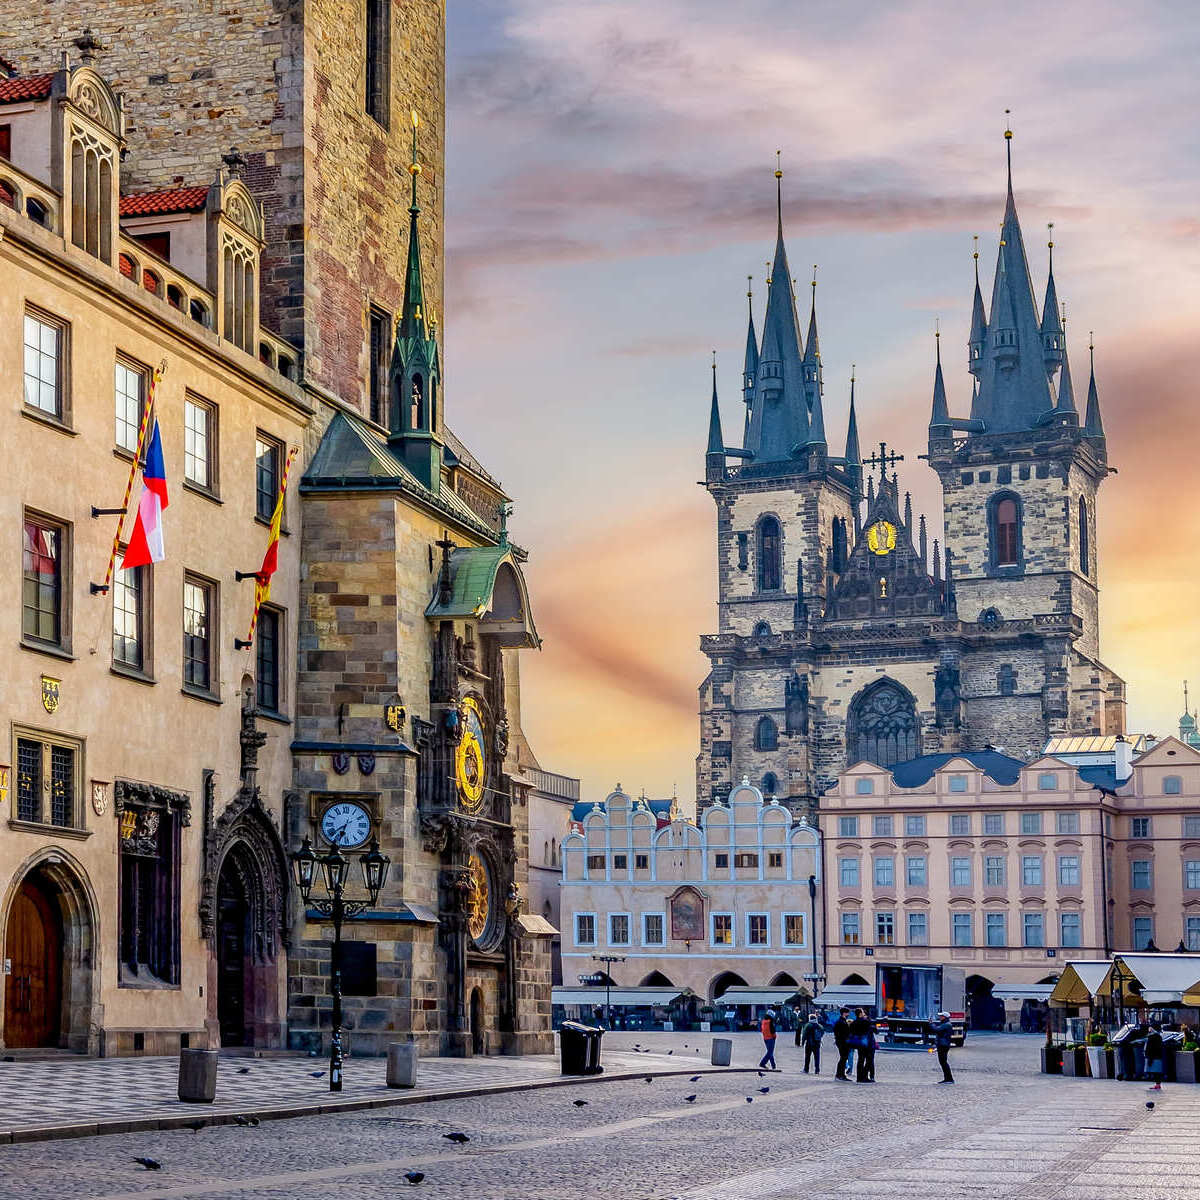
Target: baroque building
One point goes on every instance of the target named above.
(843, 635)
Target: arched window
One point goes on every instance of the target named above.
(416, 404)
(546, 853)
(770, 784)
(770, 555)
(1084, 555)
(762, 629)
(1005, 530)
(766, 734)
(882, 726)
(839, 546)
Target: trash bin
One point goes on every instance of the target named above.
(722, 1052)
(198, 1076)
(580, 1048)
(402, 1064)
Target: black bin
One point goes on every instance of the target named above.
(580, 1046)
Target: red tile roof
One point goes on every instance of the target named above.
(28, 87)
(175, 200)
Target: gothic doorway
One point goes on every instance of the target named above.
(34, 949)
(477, 1041)
(233, 948)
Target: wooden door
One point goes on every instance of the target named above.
(232, 916)
(33, 988)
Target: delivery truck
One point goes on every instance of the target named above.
(909, 997)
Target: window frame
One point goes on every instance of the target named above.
(1033, 872)
(1069, 865)
(915, 825)
(960, 824)
(850, 920)
(1172, 785)
(377, 62)
(1134, 872)
(1033, 920)
(48, 741)
(618, 916)
(955, 860)
(995, 819)
(1063, 940)
(641, 862)
(212, 488)
(662, 919)
(1191, 827)
(275, 446)
(1031, 824)
(1191, 874)
(909, 861)
(882, 825)
(582, 916)
(620, 861)
(784, 918)
(712, 929)
(960, 921)
(995, 922)
(989, 861)
(849, 872)
(765, 919)
(139, 371)
(767, 555)
(212, 589)
(912, 921)
(60, 644)
(379, 339)
(1066, 824)
(1000, 562)
(1047, 781)
(847, 827)
(1191, 932)
(144, 668)
(61, 415)
(1138, 921)
(885, 927)
(1140, 828)
(279, 616)
(889, 872)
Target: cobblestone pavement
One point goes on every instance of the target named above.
(1003, 1131)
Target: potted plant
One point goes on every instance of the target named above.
(1096, 1055)
(1074, 1061)
(706, 1013)
(1052, 1057)
(1186, 1062)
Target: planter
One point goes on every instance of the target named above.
(1052, 1060)
(1074, 1063)
(1108, 1064)
(1095, 1058)
(705, 1026)
(1187, 1063)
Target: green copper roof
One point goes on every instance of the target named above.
(473, 574)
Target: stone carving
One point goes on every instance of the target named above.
(948, 696)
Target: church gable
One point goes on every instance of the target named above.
(1169, 752)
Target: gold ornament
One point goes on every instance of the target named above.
(881, 537)
(470, 758)
(479, 898)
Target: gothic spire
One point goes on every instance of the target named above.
(978, 324)
(1092, 425)
(1066, 388)
(812, 344)
(1053, 347)
(751, 365)
(939, 419)
(414, 321)
(853, 455)
(716, 443)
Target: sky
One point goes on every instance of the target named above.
(610, 188)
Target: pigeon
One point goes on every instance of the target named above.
(691, 1099)
(249, 1122)
(243, 1070)
(1149, 1103)
(764, 1090)
(151, 1164)
(195, 1126)
(694, 1079)
(579, 1103)
(749, 1099)
(760, 1074)
(414, 1177)
(649, 1078)
(670, 1051)
(457, 1138)
(317, 1074)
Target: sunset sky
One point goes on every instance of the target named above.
(609, 188)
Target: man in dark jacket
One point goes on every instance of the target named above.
(841, 1039)
(810, 1038)
(943, 1031)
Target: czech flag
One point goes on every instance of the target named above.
(146, 541)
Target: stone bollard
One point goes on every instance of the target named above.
(198, 1076)
(402, 1064)
(722, 1052)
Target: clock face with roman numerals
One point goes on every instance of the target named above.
(346, 824)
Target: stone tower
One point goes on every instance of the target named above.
(839, 637)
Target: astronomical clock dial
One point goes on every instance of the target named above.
(470, 758)
(881, 537)
(479, 899)
(346, 824)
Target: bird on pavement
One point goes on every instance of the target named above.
(749, 1099)
(317, 1074)
(691, 1099)
(414, 1177)
(693, 1079)
(457, 1138)
(1149, 1103)
(579, 1103)
(249, 1122)
(649, 1078)
(150, 1164)
(243, 1070)
(670, 1051)
(764, 1090)
(760, 1074)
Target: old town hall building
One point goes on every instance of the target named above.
(843, 634)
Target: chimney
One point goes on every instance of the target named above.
(1123, 762)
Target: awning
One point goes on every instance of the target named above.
(1080, 982)
(1023, 991)
(753, 995)
(1154, 979)
(625, 997)
(847, 995)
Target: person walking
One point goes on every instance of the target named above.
(943, 1031)
(841, 1039)
(810, 1038)
(1154, 1057)
(862, 1034)
(767, 1027)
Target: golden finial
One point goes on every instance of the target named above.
(1062, 313)
(814, 278)
(975, 255)
(853, 368)
(937, 327)
(1007, 124)
(1050, 227)
(768, 266)
(1091, 339)
(778, 169)
(749, 287)
(714, 361)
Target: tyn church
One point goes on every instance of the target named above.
(841, 636)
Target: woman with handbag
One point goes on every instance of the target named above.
(862, 1038)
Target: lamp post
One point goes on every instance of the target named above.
(608, 960)
(334, 867)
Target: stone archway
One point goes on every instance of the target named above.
(50, 932)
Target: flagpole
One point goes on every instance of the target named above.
(159, 371)
(261, 577)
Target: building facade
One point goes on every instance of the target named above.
(843, 635)
(551, 800)
(702, 907)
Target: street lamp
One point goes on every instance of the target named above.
(608, 960)
(334, 867)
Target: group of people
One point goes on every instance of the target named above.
(854, 1039)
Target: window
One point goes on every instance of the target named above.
(620, 862)
(960, 872)
(238, 265)
(881, 826)
(847, 827)
(1192, 932)
(1070, 932)
(793, 929)
(997, 931)
(641, 862)
(1143, 932)
(653, 929)
(268, 459)
(1005, 531)
(882, 725)
(960, 824)
(380, 351)
(864, 787)
(885, 871)
(848, 872)
(198, 634)
(770, 565)
(745, 860)
(914, 826)
(1139, 827)
(1048, 782)
(378, 56)
(770, 784)
(993, 824)
(1139, 874)
(1066, 822)
(1172, 785)
(1031, 823)
(1191, 827)
(722, 929)
(1031, 870)
(918, 929)
(199, 443)
(743, 543)
(756, 929)
(130, 397)
(961, 933)
(993, 870)
(91, 195)
(766, 734)
(915, 870)
(958, 783)
(595, 862)
(268, 639)
(149, 889)
(775, 858)
(851, 935)
(129, 607)
(44, 340)
(721, 861)
(1084, 559)
(1191, 873)
(885, 929)
(585, 929)
(1034, 929)
(618, 929)
(42, 587)
(5, 141)
(1068, 870)
(49, 770)
(1006, 680)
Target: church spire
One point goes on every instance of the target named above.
(714, 458)
(979, 328)
(1092, 425)
(853, 454)
(1053, 347)
(750, 370)
(939, 420)
(812, 344)
(1066, 388)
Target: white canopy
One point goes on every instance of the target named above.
(846, 995)
(1164, 978)
(626, 997)
(1023, 991)
(753, 995)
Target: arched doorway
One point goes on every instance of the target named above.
(477, 1041)
(655, 979)
(855, 980)
(783, 979)
(33, 949)
(234, 948)
(724, 982)
(984, 1009)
